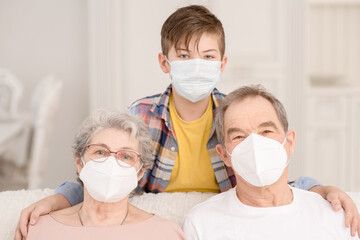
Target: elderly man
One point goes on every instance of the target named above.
(252, 128)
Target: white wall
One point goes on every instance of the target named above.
(40, 37)
(257, 46)
(266, 44)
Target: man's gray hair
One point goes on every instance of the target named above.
(103, 119)
(241, 94)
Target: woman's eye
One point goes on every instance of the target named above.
(125, 156)
(99, 152)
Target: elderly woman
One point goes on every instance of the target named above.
(111, 149)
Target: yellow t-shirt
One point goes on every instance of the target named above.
(193, 170)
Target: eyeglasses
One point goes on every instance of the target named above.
(100, 153)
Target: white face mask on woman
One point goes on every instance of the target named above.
(107, 181)
(196, 78)
(259, 160)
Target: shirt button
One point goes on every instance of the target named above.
(172, 148)
(164, 179)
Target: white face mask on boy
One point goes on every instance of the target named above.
(107, 181)
(196, 78)
(259, 160)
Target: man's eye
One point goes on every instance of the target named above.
(266, 132)
(238, 137)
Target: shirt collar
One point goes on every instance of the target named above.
(161, 105)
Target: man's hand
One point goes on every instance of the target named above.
(31, 213)
(338, 199)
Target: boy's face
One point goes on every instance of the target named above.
(208, 49)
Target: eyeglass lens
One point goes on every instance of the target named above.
(96, 152)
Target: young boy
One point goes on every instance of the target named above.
(181, 120)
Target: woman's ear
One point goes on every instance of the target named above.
(141, 173)
(79, 164)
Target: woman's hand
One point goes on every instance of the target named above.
(338, 199)
(31, 213)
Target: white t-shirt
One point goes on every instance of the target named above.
(223, 217)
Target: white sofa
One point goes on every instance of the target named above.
(169, 205)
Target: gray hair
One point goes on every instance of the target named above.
(103, 119)
(241, 94)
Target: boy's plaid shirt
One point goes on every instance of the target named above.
(155, 112)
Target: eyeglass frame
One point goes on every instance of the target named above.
(115, 153)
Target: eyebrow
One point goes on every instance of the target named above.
(182, 49)
(210, 50)
(106, 146)
(264, 124)
(268, 124)
(205, 51)
(99, 144)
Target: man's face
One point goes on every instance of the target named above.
(208, 49)
(253, 115)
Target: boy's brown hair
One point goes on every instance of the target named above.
(188, 22)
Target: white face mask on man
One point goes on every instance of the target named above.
(194, 79)
(259, 160)
(107, 181)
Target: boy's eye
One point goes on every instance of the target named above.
(184, 56)
(208, 57)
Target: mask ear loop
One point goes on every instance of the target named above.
(82, 161)
(141, 166)
(287, 160)
(83, 164)
(81, 155)
(167, 60)
(228, 152)
(284, 141)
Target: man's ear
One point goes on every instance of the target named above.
(223, 63)
(223, 155)
(290, 140)
(164, 65)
